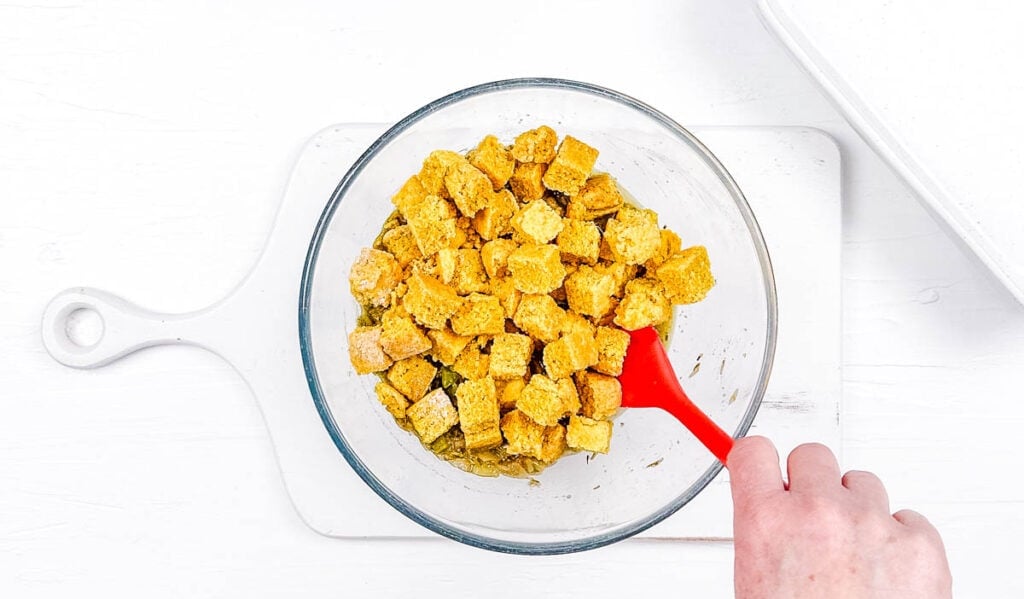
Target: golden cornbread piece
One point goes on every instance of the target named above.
(586, 434)
(633, 235)
(568, 395)
(373, 277)
(435, 168)
(527, 181)
(469, 187)
(575, 323)
(621, 272)
(541, 401)
(579, 240)
(510, 355)
(509, 392)
(472, 364)
(495, 219)
(536, 268)
(589, 292)
(365, 352)
(570, 353)
(432, 416)
(505, 290)
(494, 160)
(483, 439)
(494, 255)
(478, 406)
(401, 243)
(412, 376)
(645, 304)
(526, 437)
(430, 301)
(540, 317)
(601, 395)
(462, 270)
(433, 224)
(411, 193)
(399, 335)
(537, 222)
(535, 145)
(447, 345)
(598, 197)
(480, 314)
(571, 166)
(393, 401)
(669, 246)
(611, 350)
(687, 275)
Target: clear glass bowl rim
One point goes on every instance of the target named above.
(409, 510)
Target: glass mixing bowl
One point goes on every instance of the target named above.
(581, 502)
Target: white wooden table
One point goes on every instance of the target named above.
(143, 148)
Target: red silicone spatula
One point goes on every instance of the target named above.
(648, 381)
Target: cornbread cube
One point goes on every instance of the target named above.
(633, 235)
(687, 275)
(510, 355)
(536, 268)
(411, 193)
(611, 350)
(393, 401)
(541, 401)
(645, 304)
(468, 186)
(373, 277)
(571, 166)
(568, 395)
(601, 395)
(484, 439)
(524, 436)
(365, 351)
(535, 145)
(589, 291)
(494, 219)
(669, 246)
(537, 222)
(598, 197)
(433, 225)
(399, 335)
(505, 290)
(527, 181)
(479, 314)
(540, 317)
(430, 301)
(401, 243)
(586, 434)
(509, 392)
(579, 240)
(494, 255)
(462, 270)
(478, 405)
(434, 170)
(432, 416)
(494, 160)
(620, 271)
(447, 345)
(553, 443)
(472, 364)
(412, 376)
(568, 354)
(575, 323)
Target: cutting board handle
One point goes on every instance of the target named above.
(126, 328)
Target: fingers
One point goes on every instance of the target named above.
(753, 468)
(913, 520)
(868, 489)
(812, 467)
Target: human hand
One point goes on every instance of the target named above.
(826, 535)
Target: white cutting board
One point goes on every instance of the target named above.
(937, 88)
(791, 177)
